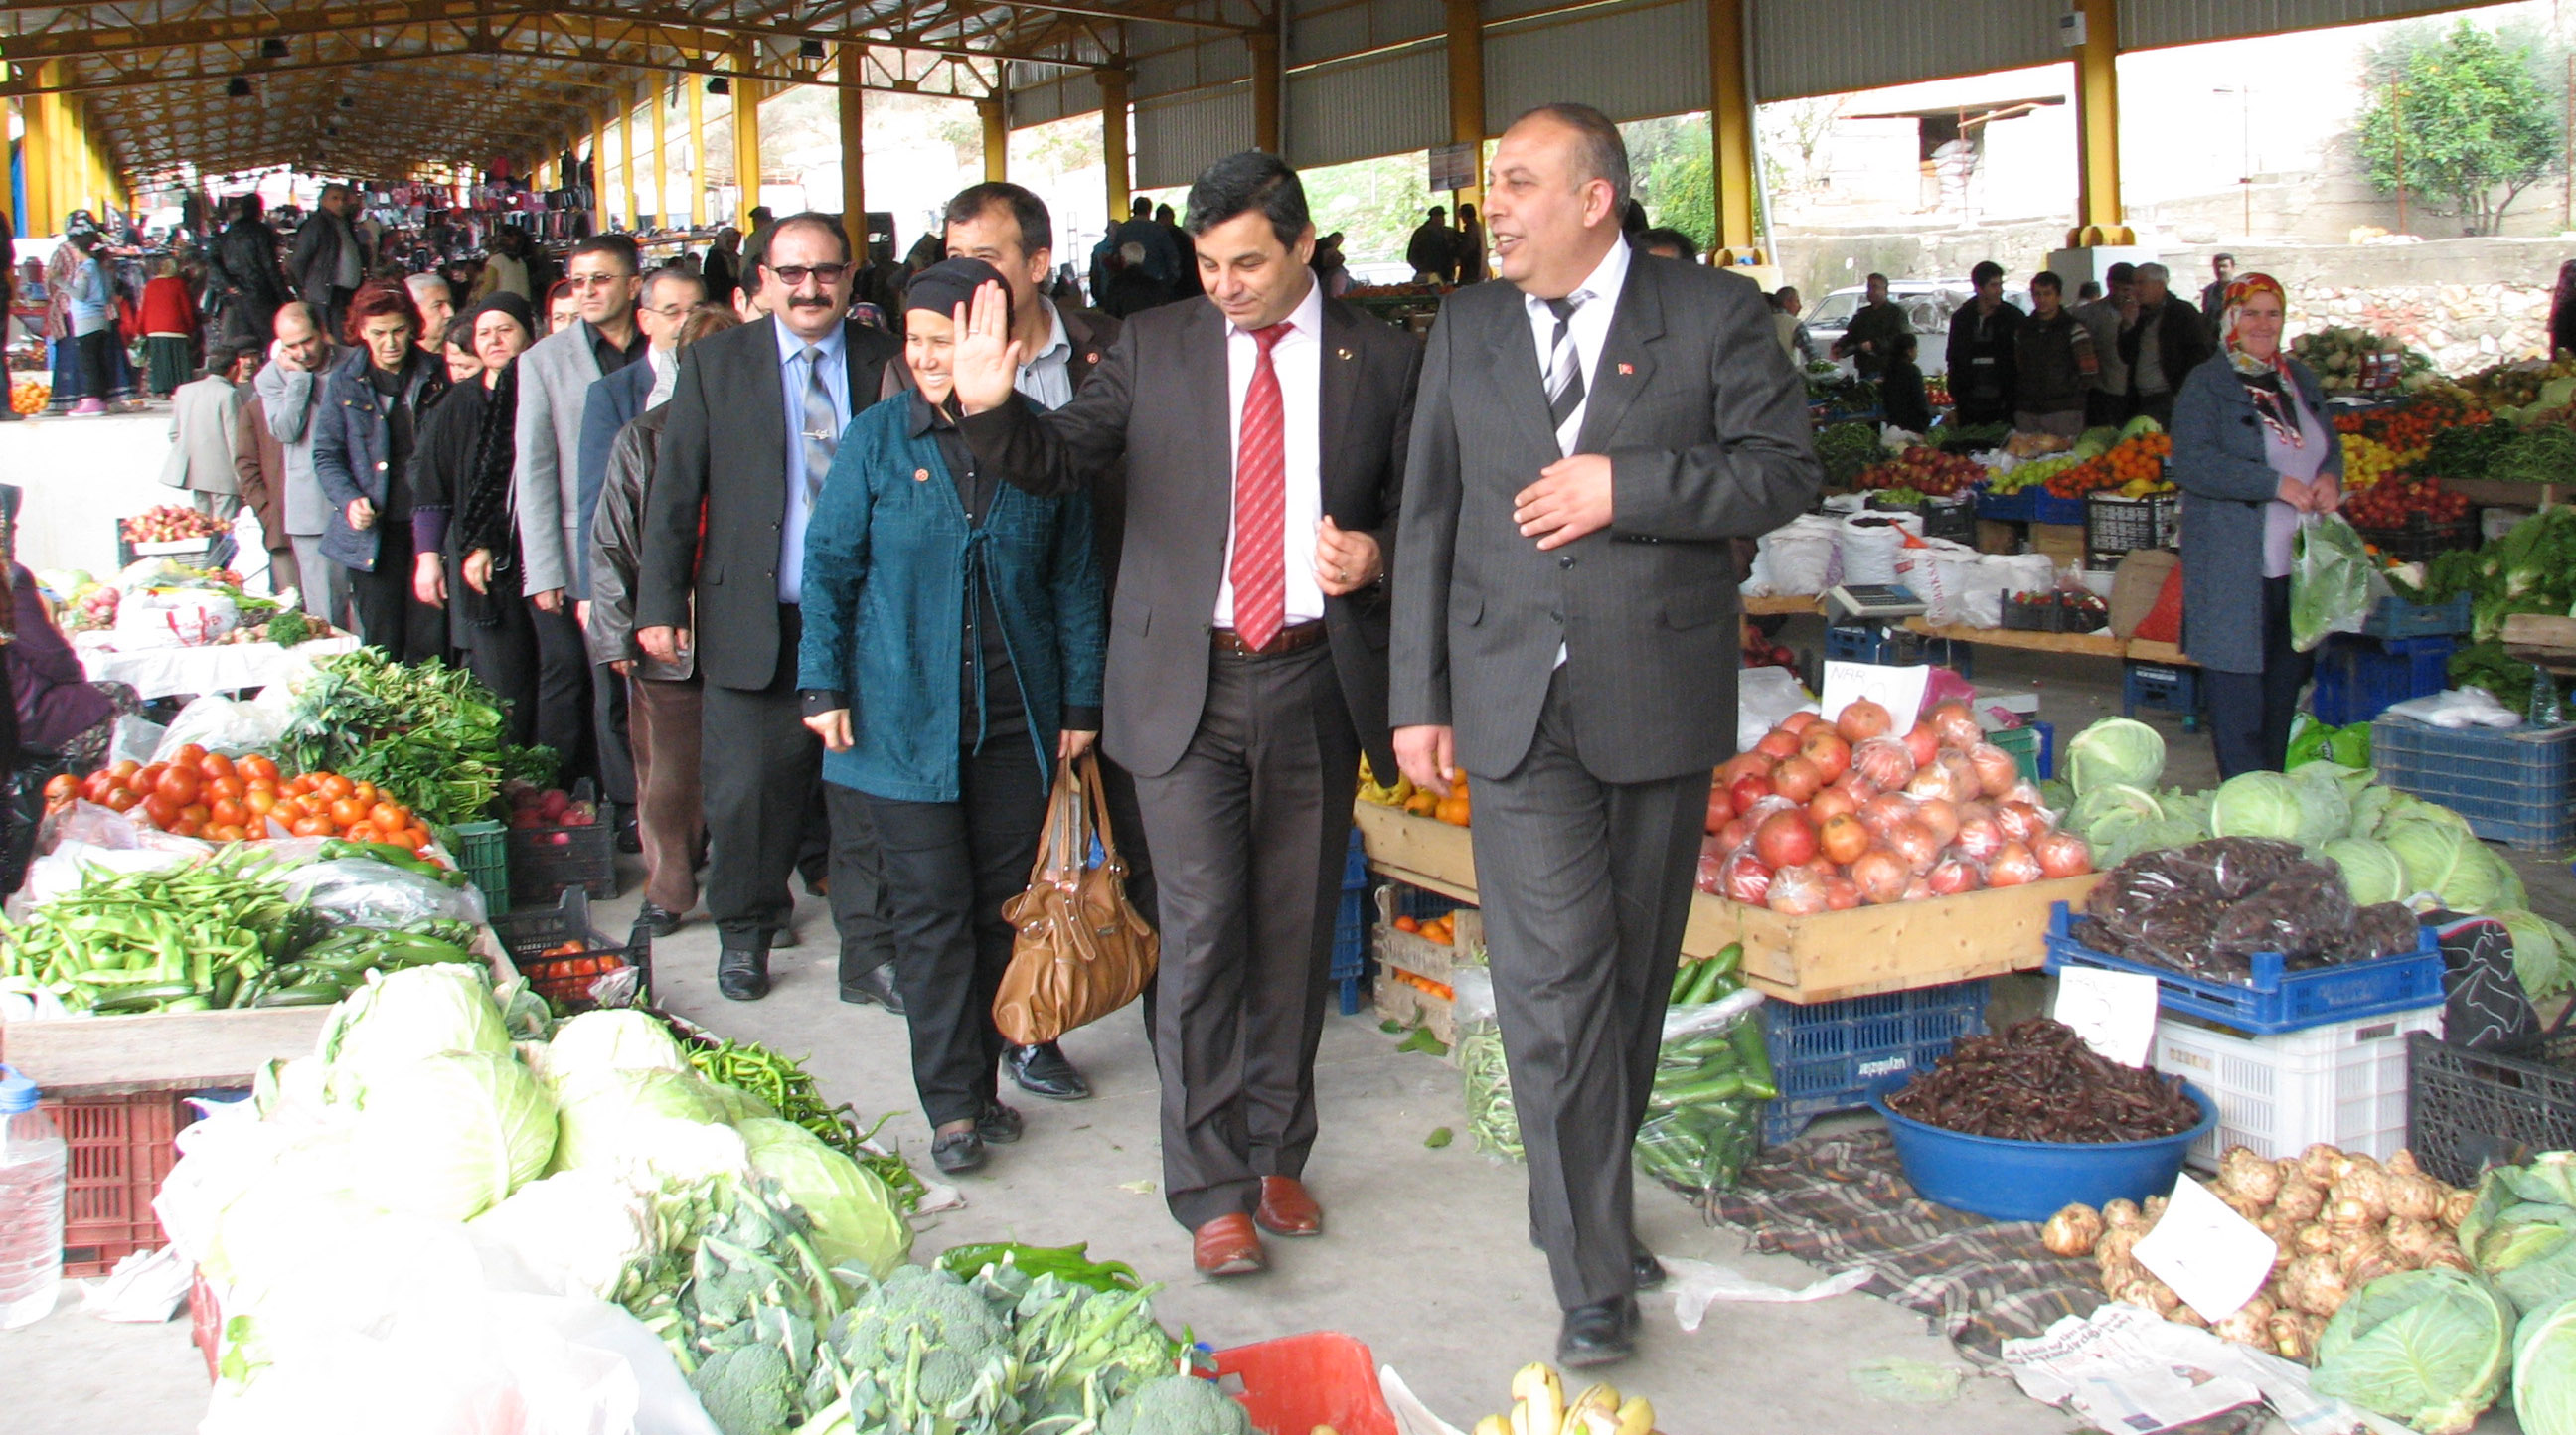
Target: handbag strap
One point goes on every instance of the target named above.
(1110, 859)
(1066, 845)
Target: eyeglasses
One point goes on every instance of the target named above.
(794, 275)
(667, 311)
(592, 281)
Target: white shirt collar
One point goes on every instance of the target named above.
(1307, 319)
(1058, 346)
(1603, 284)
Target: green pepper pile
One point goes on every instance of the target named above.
(790, 1091)
(330, 969)
(1704, 1118)
(181, 939)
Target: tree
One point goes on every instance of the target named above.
(1681, 184)
(2462, 118)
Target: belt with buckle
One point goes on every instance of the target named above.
(1295, 638)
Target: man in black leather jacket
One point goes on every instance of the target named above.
(242, 265)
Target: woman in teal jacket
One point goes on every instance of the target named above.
(951, 656)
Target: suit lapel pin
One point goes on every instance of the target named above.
(1627, 368)
(1091, 358)
(1341, 353)
(921, 475)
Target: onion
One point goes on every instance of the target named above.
(2314, 1284)
(1913, 844)
(2313, 1239)
(2318, 1161)
(2073, 1231)
(2294, 1335)
(1885, 811)
(1796, 892)
(2122, 1214)
(1952, 876)
(1941, 815)
(2367, 1186)
(2299, 1198)
(2061, 854)
(2411, 1194)
(2413, 1241)
(1862, 719)
(1841, 894)
(1922, 744)
(1996, 770)
(1955, 725)
(1881, 875)
(2012, 867)
(1883, 763)
(1842, 838)
(1796, 779)
(1826, 749)
(1743, 878)
(1777, 743)
(1979, 839)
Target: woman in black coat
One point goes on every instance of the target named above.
(461, 528)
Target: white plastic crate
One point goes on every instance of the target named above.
(2343, 1083)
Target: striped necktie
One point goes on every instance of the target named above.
(1259, 570)
(1564, 370)
(822, 431)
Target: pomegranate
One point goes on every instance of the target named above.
(1862, 719)
(1917, 890)
(1743, 878)
(1842, 839)
(1841, 894)
(2012, 866)
(1798, 722)
(1744, 765)
(1736, 832)
(2020, 821)
(1784, 839)
(1721, 807)
(1885, 811)
(1979, 839)
(1955, 725)
(1996, 771)
(1777, 743)
(1921, 743)
(1796, 779)
(1796, 892)
(1941, 816)
(1912, 842)
(2061, 854)
(1826, 749)
(1748, 790)
(1882, 762)
(1711, 865)
(1831, 803)
(1860, 788)
(1880, 875)
(1951, 876)
(1931, 781)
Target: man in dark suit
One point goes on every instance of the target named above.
(1263, 429)
(755, 416)
(1590, 436)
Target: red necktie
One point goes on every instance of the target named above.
(1261, 502)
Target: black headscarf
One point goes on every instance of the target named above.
(504, 302)
(944, 286)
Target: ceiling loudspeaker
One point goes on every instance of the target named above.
(720, 86)
(237, 88)
(809, 49)
(272, 49)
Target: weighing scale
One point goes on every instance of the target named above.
(1856, 602)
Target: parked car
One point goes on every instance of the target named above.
(1928, 305)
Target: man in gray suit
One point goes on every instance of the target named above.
(290, 389)
(1589, 436)
(554, 389)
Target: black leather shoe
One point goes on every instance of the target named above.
(874, 986)
(657, 922)
(742, 975)
(1603, 1333)
(957, 1153)
(785, 935)
(1648, 1271)
(999, 1124)
(630, 838)
(1042, 1070)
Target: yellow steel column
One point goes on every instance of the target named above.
(697, 149)
(854, 150)
(1264, 45)
(1113, 138)
(657, 94)
(1467, 90)
(632, 209)
(995, 113)
(35, 153)
(746, 139)
(1730, 131)
(598, 172)
(2098, 211)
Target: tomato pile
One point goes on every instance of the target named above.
(2139, 461)
(2391, 504)
(1925, 470)
(223, 799)
(1824, 816)
(2410, 426)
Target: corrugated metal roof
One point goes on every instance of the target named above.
(1630, 62)
(1369, 107)
(1176, 138)
(2148, 24)
(1823, 47)
(1036, 101)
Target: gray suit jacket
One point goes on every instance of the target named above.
(202, 414)
(1705, 425)
(554, 385)
(289, 397)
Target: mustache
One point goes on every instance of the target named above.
(800, 301)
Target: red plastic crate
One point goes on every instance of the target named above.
(121, 1147)
(205, 1322)
(1297, 1382)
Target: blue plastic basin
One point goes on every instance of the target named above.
(2032, 1180)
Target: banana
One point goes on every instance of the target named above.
(1537, 1387)
(1493, 1425)
(1520, 1424)
(1601, 1400)
(1636, 1417)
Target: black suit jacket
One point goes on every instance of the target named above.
(724, 454)
(1704, 421)
(1159, 399)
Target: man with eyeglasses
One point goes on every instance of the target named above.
(755, 416)
(554, 390)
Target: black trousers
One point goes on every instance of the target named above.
(1250, 830)
(1586, 888)
(610, 739)
(862, 913)
(762, 769)
(949, 868)
(389, 617)
(502, 654)
(97, 363)
(2250, 713)
(563, 693)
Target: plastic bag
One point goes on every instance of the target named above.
(134, 739)
(1764, 699)
(1868, 544)
(2459, 708)
(2332, 581)
(221, 724)
(1712, 1078)
(1491, 1119)
(364, 892)
(183, 618)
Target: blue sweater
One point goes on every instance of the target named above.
(887, 559)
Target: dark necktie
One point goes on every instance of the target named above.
(822, 431)
(1564, 369)
(1261, 501)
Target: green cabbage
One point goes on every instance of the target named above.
(2112, 808)
(2325, 801)
(855, 1220)
(612, 1039)
(2429, 1347)
(2115, 751)
(2544, 1371)
(736, 1105)
(2451, 864)
(2522, 1231)
(578, 1231)
(612, 1115)
(2544, 953)
(2372, 871)
(401, 1017)
(2256, 804)
(450, 1135)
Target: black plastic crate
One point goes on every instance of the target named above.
(2113, 524)
(2468, 1110)
(1951, 518)
(2421, 540)
(546, 862)
(565, 978)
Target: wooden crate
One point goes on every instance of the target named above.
(1428, 853)
(1833, 955)
(1421, 956)
(106, 1055)
(2508, 493)
(1404, 1002)
(2062, 542)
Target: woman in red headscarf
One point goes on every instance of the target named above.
(2253, 453)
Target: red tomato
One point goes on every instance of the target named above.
(226, 785)
(96, 785)
(365, 792)
(196, 812)
(188, 756)
(124, 771)
(122, 799)
(311, 827)
(348, 811)
(180, 784)
(225, 812)
(214, 765)
(228, 832)
(363, 832)
(161, 812)
(260, 800)
(256, 768)
(388, 818)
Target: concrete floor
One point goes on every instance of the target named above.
(1426, 1257)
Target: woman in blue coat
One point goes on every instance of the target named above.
(2254, 453)
(374, 401)
(951, 656)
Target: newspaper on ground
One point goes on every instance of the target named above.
(2130, 1370)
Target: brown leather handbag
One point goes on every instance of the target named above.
(1081, 951)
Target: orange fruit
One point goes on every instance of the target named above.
(1407, 924)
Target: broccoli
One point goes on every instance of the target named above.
(747, 1390)
(1175, 1405)
(922, 1341)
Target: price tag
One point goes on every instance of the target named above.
(2115, 1012)
(1899, 690)
(2213, 1258)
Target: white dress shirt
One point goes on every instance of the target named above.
(1046, 380)
(1298, 359)
(1590, 327)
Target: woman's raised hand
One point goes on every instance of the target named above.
(985, 361)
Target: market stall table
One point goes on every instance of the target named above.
(214, 668)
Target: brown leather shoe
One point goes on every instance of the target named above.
(1228, 1246)
(1286, 1209)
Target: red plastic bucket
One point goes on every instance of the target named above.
(1297, 1382)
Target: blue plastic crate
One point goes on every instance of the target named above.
(2164, 688)
(2047, 507)
(2360, 678)
(2514, 785)
(2020, 507)
(2277, 999)
(1351, 935)
(1355, 868)
(1826, 1055)
(2394, 617)
(1859, 643)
